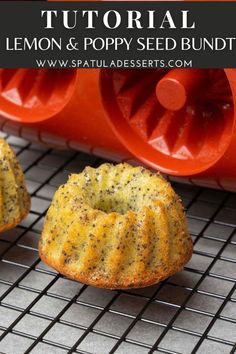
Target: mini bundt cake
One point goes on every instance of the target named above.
(14, 198)
(116, 226)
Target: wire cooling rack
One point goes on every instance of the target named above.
(194, 311)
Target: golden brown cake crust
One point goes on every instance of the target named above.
(14, 198)
(112, 283)
(17, 221)
(116, 227)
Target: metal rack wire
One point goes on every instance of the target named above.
(42, 312)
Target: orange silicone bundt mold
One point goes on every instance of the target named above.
(31, 95)
(179, 121)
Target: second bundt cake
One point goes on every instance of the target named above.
(116, 227)
(14, 198)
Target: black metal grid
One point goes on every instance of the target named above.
(42, 312)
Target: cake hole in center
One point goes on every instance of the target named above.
(111, 204)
